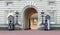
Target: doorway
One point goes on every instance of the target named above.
(31, 18)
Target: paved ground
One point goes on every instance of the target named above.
(30, 32)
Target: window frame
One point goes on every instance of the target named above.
(51, 3)
(54, 11)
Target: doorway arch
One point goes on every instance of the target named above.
(31, 18)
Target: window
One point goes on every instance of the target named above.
(9, 3)
(52, 15)
(51, 3)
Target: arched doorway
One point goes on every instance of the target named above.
(31, 18)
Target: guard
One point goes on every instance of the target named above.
(11, 26)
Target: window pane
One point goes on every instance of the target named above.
(51, 3)
(52, 16)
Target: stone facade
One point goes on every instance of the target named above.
(10, 7)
